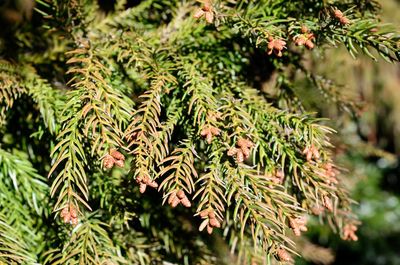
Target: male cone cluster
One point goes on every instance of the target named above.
(276, 46)
(298, 225)
(329, 173)
(283, 255)
(349, 232)
(113, 158)
(341, 17)
(209, 132)
(178, 197)
(70, 215)
(205, 11)
(145, 181)
(243, 151)
(311, 152)
(210, 221)
(306, 38)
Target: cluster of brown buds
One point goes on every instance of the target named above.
(349, 232)
(113, 158)
(212, 221)
(311, 152)
(327, 203)
(70, 215)
(341, 17)
(329, 173)
(276, 46)
(283, 255)
(298, 224)
(205, 11)
(145, 181)
(177, 197)
(209, 132)
(243, 150)
(306, 38)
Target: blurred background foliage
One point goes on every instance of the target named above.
(371, 151)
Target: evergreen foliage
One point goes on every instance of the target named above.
(154, 119)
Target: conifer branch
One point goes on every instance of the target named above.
(211, 191)
(102, 114)
(14, 250)
(174, 86)
(25, 192)
(178, 174)
(143, 133)
(89, 244)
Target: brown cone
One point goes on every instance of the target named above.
(117, 155)
(185, 202)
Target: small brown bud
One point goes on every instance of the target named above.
(215, 131)
(185, 202)
(242, 142)
(204, 213)
(207, 6)
(139, 179)
(180, 194)
(119, 163)
(209, 229)
(72, 211)
(309, 156)
(344, 20)
(175, 202)
(309, 44)
(205, 132)
(66, 218)
(349, 232)
(209, 138)
(300, 40)
(276, 46)
(315, 152)
(341, 17)
(117, 155)
(153, 184)
(239, 156)
(211, 214)
(145, 179)
(199, 14)
(298, 225)
(64, 212)
(172, 197)
(233, 151)
(207, 11)
(209, 17)
(74, 221)
(215, 223)
(338, 13)
(311, 152)
(246, 152)
(108, 161)
(283, 255)
(142, 187)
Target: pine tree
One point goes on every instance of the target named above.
(155, 125)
